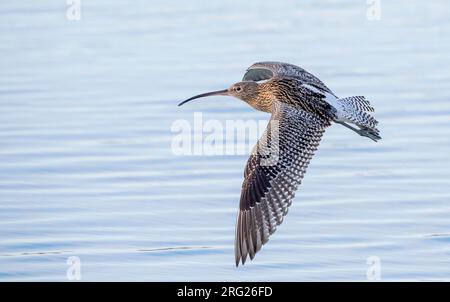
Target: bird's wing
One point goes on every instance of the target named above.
(273, 173)
(267, 70)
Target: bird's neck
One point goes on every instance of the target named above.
(262, 100)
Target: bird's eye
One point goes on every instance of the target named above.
(238, 89)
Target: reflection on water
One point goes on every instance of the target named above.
(86, 169)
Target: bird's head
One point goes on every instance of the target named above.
(246, 91)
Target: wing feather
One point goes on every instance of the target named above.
(267, 70)
(269, 186)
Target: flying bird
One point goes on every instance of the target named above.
(301, 108)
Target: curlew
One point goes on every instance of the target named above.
(301, 108)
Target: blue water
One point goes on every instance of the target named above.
(86, 167)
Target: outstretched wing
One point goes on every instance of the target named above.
(267, 70)
(273, 173)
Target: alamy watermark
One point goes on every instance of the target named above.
(373, 272)
(232, 137)
(373, 12)
(73, 11)
(73, 272)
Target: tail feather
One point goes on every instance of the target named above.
(355, 110)
(359, 103)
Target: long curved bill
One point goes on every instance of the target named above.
(218, 92)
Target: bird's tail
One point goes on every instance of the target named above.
(356, 110)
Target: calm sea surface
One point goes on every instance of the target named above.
(86, 167)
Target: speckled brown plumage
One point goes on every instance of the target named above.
(301, 108)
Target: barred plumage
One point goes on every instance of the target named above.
(268, 190)
(302, 107)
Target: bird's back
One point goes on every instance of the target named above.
(291, 91)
